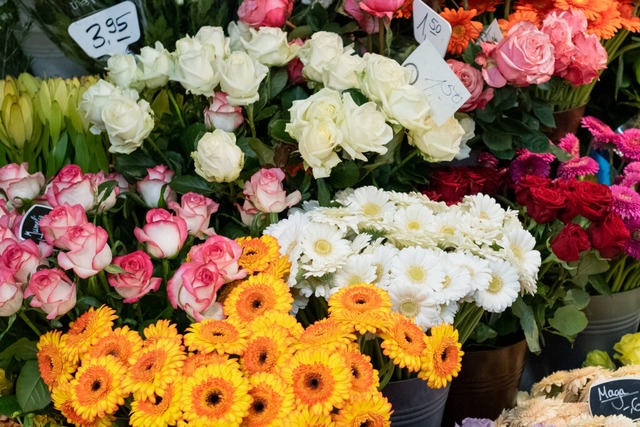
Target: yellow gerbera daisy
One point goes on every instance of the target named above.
(302, 417)
(320, 379)
(266, 352)
(364, 306)
(373, 412)
(161, 329)
(194, 361)
(280, 268)
(327, 333)
(364, 379)
(157, 411)
(123, 344)
(274, 319)
(257, 295)
(220, 336)
(87, 330)
(272, 401)
(54, 367)
(157, 365)
(442, 357)
(215, 396)
(258, 253)
(62, 398)
(403, 342)
(99, 388)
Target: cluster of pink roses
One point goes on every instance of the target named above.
(531, 56)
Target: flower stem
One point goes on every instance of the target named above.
(29, 323)
(405, 160)
(159, 151)
(381, 36)
(176, 107)
(252, 125)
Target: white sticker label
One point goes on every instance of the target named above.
(492, 33)
(428, 25)
(444, 90)
(107, 32)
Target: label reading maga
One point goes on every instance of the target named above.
(620, 396)
(428, 25)
(444, 90)
(107, 32)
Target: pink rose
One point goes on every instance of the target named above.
(589, 59)
(123, 185)
(193, 288)
(17, 183)
(163, 234)
(265, 191)
(10, 294)
(72, 187)
(196, 210)
(221, 115)
(52, 291)
(56, 223)
(524, 57)
(560, 32)
(89, 252)
(265, 13)
(106, 202)
(221, 251)
(150, 188)
(472, 79)
(9, 221)
(381, 8)
(136, 281)
(247, 212)
(368, 22)
(21, 257)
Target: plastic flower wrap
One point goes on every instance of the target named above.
(435, 260)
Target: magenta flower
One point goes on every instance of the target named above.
(578, 166)
(626, 202)
(528, 163)
(602, 133)
(633, 244)
(629, 144)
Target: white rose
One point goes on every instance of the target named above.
(439, 143)
(214, 40)
(155, 65)
(218, 158)
(365, 129)
(96, 97)
(127, 123)
(469, 126)
(269, 46)
(325, 103)
(408, 106)
(240, 78)
(237, 32)
(122, 69)
(317, 146)
(344, 73)
(381, 76)
(193, 68)
(320, 52)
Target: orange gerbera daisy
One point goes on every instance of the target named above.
(195, 361)
(211, 335)
(161, 329)
(405, 10)
(272, 401)
(54, 367)
(590, 8)
(373, 412)
(364, 379)
(443, 355)
(266, 352)
(519, 16)
(123, 344)
(541, 7)
(63, 399)
(257, 295)
(629, 21)
(157, 411)
(87, 330)
(327, 333)
(606, 24)
(364, 306)
(279, 268)
(463, 29)
(403, 342)
(482, 6)
(258, 253)
(273, 319)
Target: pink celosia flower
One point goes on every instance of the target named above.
(528, 163)
(626, 202)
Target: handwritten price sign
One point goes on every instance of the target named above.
(620, 396)
(428, 25)
(492, 33)
(107, 32)
(445, 92)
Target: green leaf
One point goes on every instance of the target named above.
(9, 406)
(497, 141)
(358, 97)
(483, 332)
(31, 392)
(264, 152)
(192, 135)
(301, 31)
(59, 153)
(23, 349)
(600, 284)
(524, 312)
(577, 297)
(267, 112)
(134, 165)
(10, 321)
(324, 195)
(278, 79)
(560, 154)
(105, 189)
(589, 264)
(569, 320)
(190, 183)
(344, 175)
(278, 133)
(114, 269)
(534, 141)
(544, 112)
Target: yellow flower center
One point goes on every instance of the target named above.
(447, 229)
(496, 284)
(323, 247)
(416, 273)
(409, 308)
(370, 209)
(517, 252)
(413, 225)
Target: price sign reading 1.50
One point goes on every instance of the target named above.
(428, 25)
(107, 32)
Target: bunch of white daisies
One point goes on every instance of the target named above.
(430, 257)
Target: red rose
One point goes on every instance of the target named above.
(609, 236)
(571, 240)
(451, 184)
(544, 204)
(524, 186)
(494, 179)
(591, 200)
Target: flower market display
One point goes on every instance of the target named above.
(275, 213)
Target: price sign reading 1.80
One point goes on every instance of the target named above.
(107, 32)
(428, 25)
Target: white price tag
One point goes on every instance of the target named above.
(107, 32)
(492, 33)
(445, 92)
(428, 25)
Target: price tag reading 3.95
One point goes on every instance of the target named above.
(428, 25)
(107, 32)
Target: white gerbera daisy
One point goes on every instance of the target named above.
(503, 289)
(343, 195)
(448, 312)
(486, 209)
(342, 218)
(382, 258)
(360, 242)
(456, 284)
(518, 249)
(409, 226)
(288, 232)
(415, 302)
(324, 249)
(358, 269)
(404, 200)
(371, 203)
(322, 287)
(478, 268)
(449, 230)
(419, 267)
